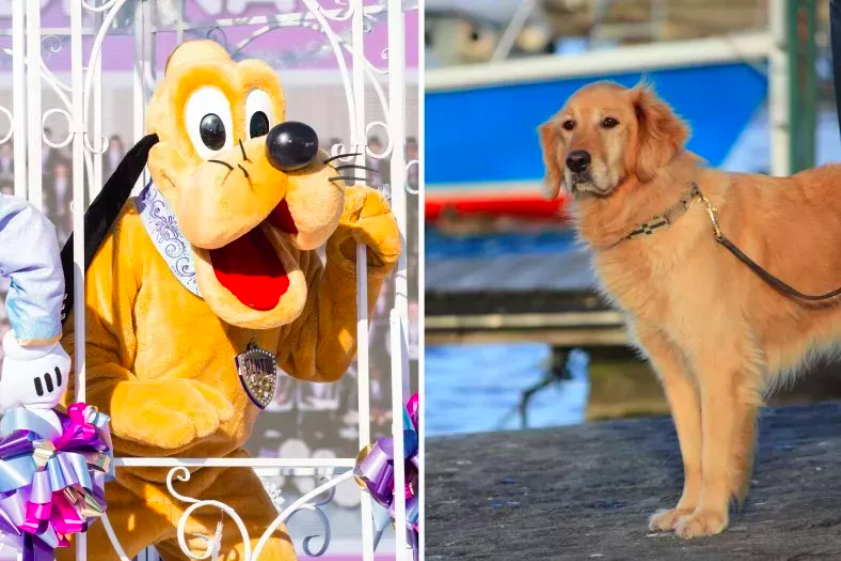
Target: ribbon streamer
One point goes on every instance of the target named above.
(52, 484)
(375, 471)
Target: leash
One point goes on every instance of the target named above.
(754, 266)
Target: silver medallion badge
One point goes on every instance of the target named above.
(258, 373)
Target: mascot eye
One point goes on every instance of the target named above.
(212, 131)
(207, 115)
(259, 124)
(259, 111)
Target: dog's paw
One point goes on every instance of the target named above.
(665, 520)
(701, 523)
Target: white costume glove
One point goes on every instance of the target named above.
(34, 377)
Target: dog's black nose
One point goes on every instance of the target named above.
(578, 161)
(291, 146)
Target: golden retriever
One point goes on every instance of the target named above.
(718, 336)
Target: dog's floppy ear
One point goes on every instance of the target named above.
(661, 134)
(549, 143)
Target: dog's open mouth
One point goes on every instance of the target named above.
(250, 267)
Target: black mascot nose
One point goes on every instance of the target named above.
(578, 161)
(291, 146)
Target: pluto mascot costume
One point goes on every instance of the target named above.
(213, 265)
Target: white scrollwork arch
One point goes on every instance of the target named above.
(389, 147)
(341, 16)
(305, 502)
(183, 474)
(409, 188)
(104, 7)
(48, 141)
(11, 118)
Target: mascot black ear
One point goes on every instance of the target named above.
(104, 211)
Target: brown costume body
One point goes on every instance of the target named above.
(718, 336)
(160, 360)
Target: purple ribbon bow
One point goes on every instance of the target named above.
(375, 471)
(51, 484)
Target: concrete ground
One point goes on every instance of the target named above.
(586, 492)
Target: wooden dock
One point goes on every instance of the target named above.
(585, 492)
(549, 298)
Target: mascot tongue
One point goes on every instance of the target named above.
(250, 268)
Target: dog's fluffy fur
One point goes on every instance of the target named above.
(718, 336)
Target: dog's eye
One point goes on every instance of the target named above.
(259, 113)
(609, 122)
(208, 120)
(569, 124)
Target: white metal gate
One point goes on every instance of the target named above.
(81, 102)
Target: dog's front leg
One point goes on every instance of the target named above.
(683, 401)
(718, 370)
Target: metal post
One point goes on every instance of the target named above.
(95, 183)
(397, 132)
(33, 99)
(359, 144)
(778, 102)
(19, 95)
(794, 84)
(138, 72)
(810, 89)
(421, 206)
(400, 314)
(401, 543)
(515, 27)
(800, 37)
(78, 219)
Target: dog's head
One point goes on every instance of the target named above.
(607, 133)
(249, 190)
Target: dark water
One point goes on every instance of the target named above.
(476, 388)
(443, 247)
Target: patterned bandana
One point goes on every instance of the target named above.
(162, 227)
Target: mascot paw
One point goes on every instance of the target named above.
(35, 377)
(168, 413)
(367, 219)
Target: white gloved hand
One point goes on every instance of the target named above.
(34, 377)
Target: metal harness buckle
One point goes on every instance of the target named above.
(713, 212)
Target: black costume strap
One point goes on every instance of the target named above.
(103, 211)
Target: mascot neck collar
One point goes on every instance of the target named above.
(161, 225)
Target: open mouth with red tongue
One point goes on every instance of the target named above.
(250, 266)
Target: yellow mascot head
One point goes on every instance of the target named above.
(250, 190)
